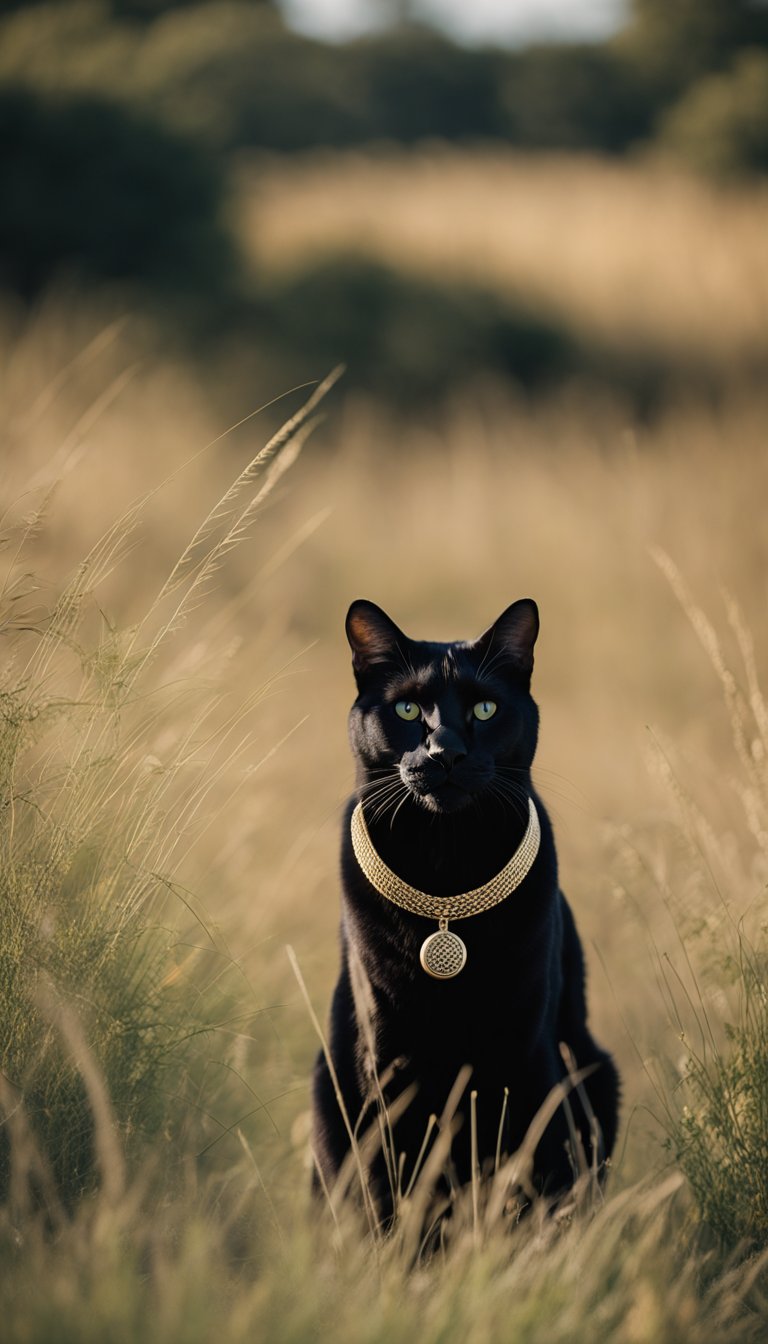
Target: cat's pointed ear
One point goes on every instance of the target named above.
(373, 637)
(512, 637)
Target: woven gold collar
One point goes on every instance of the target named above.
(389, 885)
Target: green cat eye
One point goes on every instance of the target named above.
(484, 709)
(407, 710)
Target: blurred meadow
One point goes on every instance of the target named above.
(545, 272)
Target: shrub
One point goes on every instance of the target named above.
(573, 97)
(676, 42)
(402, 336)
(720, 126)
(95, 190)
(720, 1138)
(416, 83)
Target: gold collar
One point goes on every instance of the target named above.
(389, 885)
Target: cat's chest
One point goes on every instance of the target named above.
(507, 963)
(489, 1016)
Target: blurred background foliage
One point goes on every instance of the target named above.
(122, 126)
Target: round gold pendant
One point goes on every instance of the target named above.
(443, 955)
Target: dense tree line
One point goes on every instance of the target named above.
(231, 74)
(118, 117)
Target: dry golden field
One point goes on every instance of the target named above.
(653, 742)
(636, 254)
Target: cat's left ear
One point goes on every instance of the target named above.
(373, 637)
(512, 636)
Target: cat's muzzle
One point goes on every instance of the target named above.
(439, 790)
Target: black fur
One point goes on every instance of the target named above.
(445, 799)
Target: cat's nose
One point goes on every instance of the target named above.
(446, 747)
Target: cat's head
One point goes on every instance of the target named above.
(451, 722)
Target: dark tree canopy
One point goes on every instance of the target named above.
(677, 41)
(94, 190)
(134, 9)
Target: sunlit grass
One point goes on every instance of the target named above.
(111, 753)
(634, 254)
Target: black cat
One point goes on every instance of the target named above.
(444, 736)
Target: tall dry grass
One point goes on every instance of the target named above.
(114, 752)
(443, 527)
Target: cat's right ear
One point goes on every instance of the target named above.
(373, 637)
